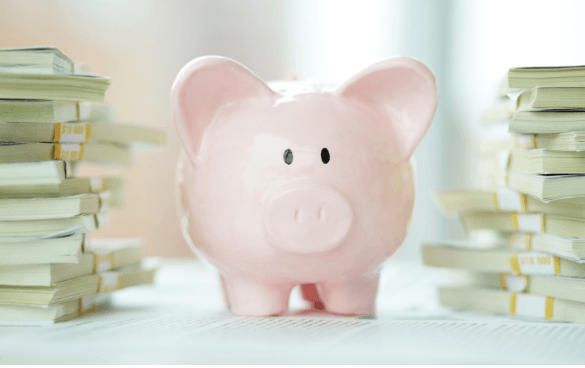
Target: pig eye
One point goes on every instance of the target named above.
(288, 156)
(325, 155)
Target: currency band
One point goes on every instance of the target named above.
(86, 305)
(109, 281)
(72, 132)
(527, 305)
(68, 151)
(527, 141)
(103, 262)
(534, 263)
(521, 241)
(514, 283)
(509, 200)
(530, 223)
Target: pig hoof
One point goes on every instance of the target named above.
(362, 312)
(355, 298)
(253, 299)
(252, 309)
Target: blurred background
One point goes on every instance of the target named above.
(142, 44)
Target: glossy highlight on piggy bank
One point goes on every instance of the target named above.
(290, 183)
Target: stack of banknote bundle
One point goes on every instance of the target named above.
(529, 207)
(51, 122)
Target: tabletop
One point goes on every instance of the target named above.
(182, 319)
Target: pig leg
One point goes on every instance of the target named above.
(357, 297)
(226, 297)
(310, 294)
(252, 298)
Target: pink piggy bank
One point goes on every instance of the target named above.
(295, 184)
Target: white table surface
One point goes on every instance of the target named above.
(182, 319)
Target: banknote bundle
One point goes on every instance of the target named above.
(52, 120)
(525, 255)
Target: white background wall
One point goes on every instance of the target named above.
(142, 44)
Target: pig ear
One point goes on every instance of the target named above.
(205, 85)
(404, 90)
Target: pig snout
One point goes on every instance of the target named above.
(307, 219)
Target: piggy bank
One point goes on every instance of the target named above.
(291, 183)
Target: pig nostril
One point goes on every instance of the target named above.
(298, 216)
(321, 214)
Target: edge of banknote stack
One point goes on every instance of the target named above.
(524, 254)
(51, 122)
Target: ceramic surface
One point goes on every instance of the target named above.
(289, 183)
